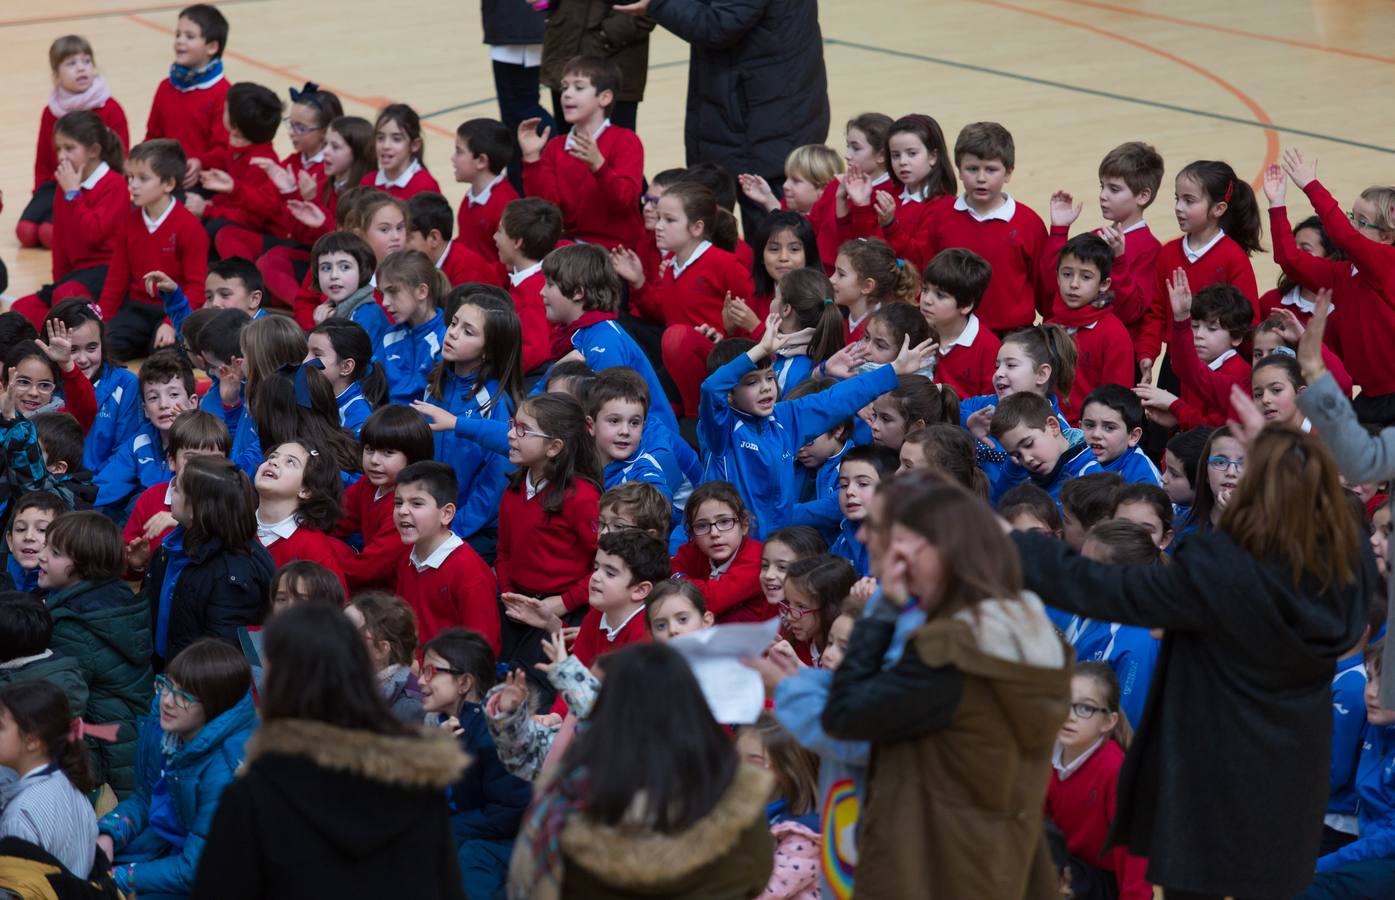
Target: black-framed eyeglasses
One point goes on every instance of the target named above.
(182, 699)
(721, 524)
(1086, 711)
(429, 671)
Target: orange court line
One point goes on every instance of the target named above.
(1271, 136)
(295, 77)
(100, 14)
(1238, 32)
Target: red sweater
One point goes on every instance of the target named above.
(304, 234)
(532, 315)
(1133, 277)
(1205, 393)
(1225, 263)
(597, 207)
(150, 502)
(904, 234)
(254, 201)
(544, 555)
(733, 596)
(832, 231)
(85, 230)
(1014, 249)
(968, 368)
(1363, 290)
(694, 297)
(179, 248)
(46, 158)
(1083, 806)
(460, 592)
(193, 117)
(463, 264)
(312, 546)
(1104, 355)
(79, 398)
(296, 164)
(476, 223)
(592, 642)
(421, 181)
(376, 565)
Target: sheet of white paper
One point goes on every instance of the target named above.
(733, 691)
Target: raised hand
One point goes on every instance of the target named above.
(305, 182)
(857, 184)
(1301, 169)
(1114, 236)
(530, 143)
(67, 176)
(737, 316)
(1064, 209)
(1179, 292)
(217, 181)
(306, 213)
(439, 418)
(863, 589)
(1292, 330)
(1310, 344)
(757, 190)
(979, 422)
(1246, 420)
(1154, 397)
(59, 346)
(886, 208)
(584, 147)
(912, 359)
(9, 401)
(627, 265)
(164, 336)
(281, 176)
(555, 649)
(323, 311)
(1275, 187)
(842, 364)
(771, 341)
(511, 695)
(529, 611)
(158, 283)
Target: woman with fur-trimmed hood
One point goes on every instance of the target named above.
(657, 805)
(962, 726)
(338, 798)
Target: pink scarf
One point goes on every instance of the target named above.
(62, 101)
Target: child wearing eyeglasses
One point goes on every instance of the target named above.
(721, 559)
(815, 588)
(193, 741)
(1081, 795)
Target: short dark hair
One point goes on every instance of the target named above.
(92, 540)
(535, 222)
(1032, 500)
(255, 111)
(195, 429)
(1136, 164)
(986, 140)
(15, 328)
(1188, 448)
(488, 137)
(428, 211)
(210, 21)
(1021, 408)
(603, 73)
(645, 555)
(617, 383)
(1126, 543)
(1091, 249)
(60, 438)
(222, 337)
(720, 491)
(1144, 492)
(578, 372)
(164, 156)
(167, 364)
(25, 625)
(194, 325)
(215, 672)
(1226, 306)
(1120, 399)
(44, 500)
(397, 427)
(348, 243)
(883, 459)
(727, 349)
(436, 478)
(961, 273)
(714, 177)
(584, 269)
(240, 268)
(1090, 498)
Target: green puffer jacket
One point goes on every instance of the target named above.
(106, 628)
(54, 667)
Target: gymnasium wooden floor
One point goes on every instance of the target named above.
(1070, 78)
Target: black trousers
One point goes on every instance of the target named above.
(516, 88)
(131, 332)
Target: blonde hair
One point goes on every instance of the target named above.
(69, 45)
(817, 164)
(1383, 197)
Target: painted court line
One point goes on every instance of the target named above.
(107, 13)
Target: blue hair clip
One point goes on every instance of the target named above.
(1284, 351)
(307, 94)
(501, 670)
(302, 381)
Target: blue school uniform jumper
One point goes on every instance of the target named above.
(374, 321)
(1070, 465)
(138, 463)
(408, 355)
(1133, 465)
(1004, 474)
(850, 548)
(756, 453)
(1366, 866)
(791, 370)
(821, 510)
(246, 445)
(21, 579)
(482, 471)
(119, 414)
(1348, 729)
(1130, 651)
(639, 466)
(354, 408)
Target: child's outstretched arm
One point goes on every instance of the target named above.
(521, 742)
(1374, 260)
(815, 414)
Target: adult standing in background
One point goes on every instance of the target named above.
(594, 28)
(513, 29)
(757, 87)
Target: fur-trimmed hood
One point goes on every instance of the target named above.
(429, 759)
(627, 858)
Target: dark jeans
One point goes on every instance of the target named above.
(1354, 881)
(40, 205)
(522, 649)
(132, 330)
(753, 214)
(517, 90)
(624, 113)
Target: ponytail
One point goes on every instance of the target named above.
(700, 205)
(89, 130)
(1048, 345)
(40, 709)
(809, 295)
(892, 277)
(350, 341)
(1241, 220)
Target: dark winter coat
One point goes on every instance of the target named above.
(510, 22)
(594, 28)
(1226, 781)
(55, 668)
(218, 592)
(106, 629)
(323, 811)
(757, 87)
(487, 802)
